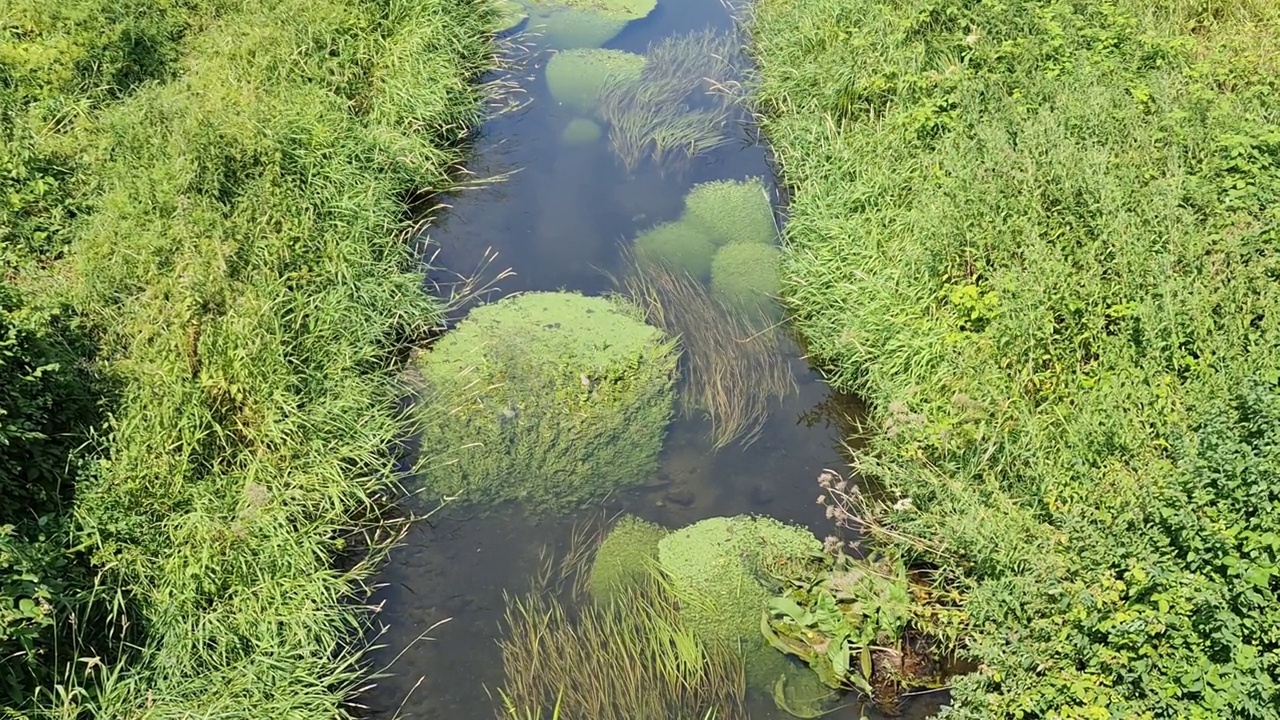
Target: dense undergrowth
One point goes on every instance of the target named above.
(1041, 237)
(200, 240)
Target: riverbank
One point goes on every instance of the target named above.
(1040, 239)
(213, 193)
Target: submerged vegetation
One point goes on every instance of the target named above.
(553, 399)
(626, 657)
(732, 211)
(732, 364)
(1039, 237)
(204, 200)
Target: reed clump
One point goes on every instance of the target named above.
(630, 657)
(732, 360)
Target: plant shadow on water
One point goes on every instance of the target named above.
(557, 219)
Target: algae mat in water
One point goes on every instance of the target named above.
(553, 399)
(565, 24)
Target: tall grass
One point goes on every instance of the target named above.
(1039, 238)
(242, 262)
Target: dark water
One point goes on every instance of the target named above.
(557, 220)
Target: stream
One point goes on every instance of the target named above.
(557, 218)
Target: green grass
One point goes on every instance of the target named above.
(240, 259)
(1040, 238)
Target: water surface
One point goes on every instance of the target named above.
(557, 220)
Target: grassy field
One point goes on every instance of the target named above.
(1041, 238)
(203, 239)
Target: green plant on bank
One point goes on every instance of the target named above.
(571, 24)
(212, 191)
(576, 77)
(1038, 238)
(628, 657)
(732, 360)
(674, 111)
(553, 399)
(732, 211)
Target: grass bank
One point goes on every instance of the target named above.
(1041, 238)
(228, 234)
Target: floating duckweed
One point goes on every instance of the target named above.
(508, 15)
(745, 275)
(577, 76)
(581, 131)
(554, 399)
(731, 211)
(678, 246)
(625, 559)
(717, 569)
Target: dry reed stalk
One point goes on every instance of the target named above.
(733, 364)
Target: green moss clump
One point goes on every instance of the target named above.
(566, 24)
(554, 399)
(678, 246)
(508, 15)
(580, 131)
(575, 77)
(745, 275)
(718, 568)
(625, 559)
(732, 211)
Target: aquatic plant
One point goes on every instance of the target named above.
(553, 399)
(675, 245)
(629, 658)
(581, 131)
(625, 558)
(745, 275)
(732, 211)
(508, 15)
(669, 114)
(733, 362)
(570, 24)
(720, 569)
(576, 77)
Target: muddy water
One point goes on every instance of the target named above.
(557, 220)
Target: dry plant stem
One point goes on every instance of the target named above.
(733, 366)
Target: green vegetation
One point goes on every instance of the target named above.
(678, 246)
(733, 366)
(1040, 238)
(674, 110)
(732, 211)
(580, 131)
(632, 657)
(745, 275)
(509, 15)
(569, 24)
(576, 77)
(554, 399)
(627, 557)
(721, 571)
(202, 216)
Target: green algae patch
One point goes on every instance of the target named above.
(677, 246)
(580, 131)
(732, 211)
(551, 399)
(576, 77)
(721, 570)
(745, 275)
(508, 14)
(626, 559)
(567, 24)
